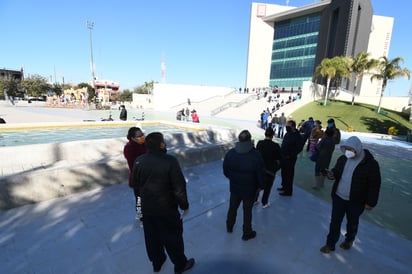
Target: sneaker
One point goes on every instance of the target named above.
(255, 203)
(249, 236)
(189, 264)
(346, 245)
(280, 189)
(326, 249)
(266, 205)
(229, 229)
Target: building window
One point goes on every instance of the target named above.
(294, 51)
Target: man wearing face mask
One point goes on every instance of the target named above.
(163, 190)
(292, 144)
(356, 188)
(133, 149)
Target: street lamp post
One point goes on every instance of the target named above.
(90, 26)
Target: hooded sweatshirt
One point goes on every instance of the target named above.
(344, 186)
(244, 167)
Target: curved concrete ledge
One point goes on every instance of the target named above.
(36, 173)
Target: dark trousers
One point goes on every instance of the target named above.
(340, 208)
(247, 212)
(281, 129)
(267, 189)
(165, 232)
(287, 166)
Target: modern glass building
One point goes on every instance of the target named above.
(287, 43)
(294, 51)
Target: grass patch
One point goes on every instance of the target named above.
(360, 117)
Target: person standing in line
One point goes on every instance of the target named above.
(133, 149)
(163, 191)
(244, 167)
(123, 113)
(275, 124)
(291, 146)
(270, 152)
(315, 135)
(306, 130)
(356, 188)
(282, 125)
(336, 134)
(325, 149)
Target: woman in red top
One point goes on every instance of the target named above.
(133, 149)
(195, 117)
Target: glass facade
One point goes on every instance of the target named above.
(294, 51)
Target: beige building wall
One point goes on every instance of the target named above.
(260, 45)
(379, 42)
(166, 96)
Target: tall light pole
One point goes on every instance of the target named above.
(90, 27)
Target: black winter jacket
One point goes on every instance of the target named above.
(244, 167)
(161, 183)
(366, 180)
(270, 152)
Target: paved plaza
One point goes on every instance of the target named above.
(95, 231)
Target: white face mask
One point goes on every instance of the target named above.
(349, 154)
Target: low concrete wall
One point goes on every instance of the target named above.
(35, 173)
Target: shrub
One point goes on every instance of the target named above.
(392, 131)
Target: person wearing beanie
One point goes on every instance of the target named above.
(356, 188)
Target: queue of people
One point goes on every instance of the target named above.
(159, 185)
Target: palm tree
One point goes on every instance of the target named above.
(331, 68)
(389, 70)
(361, 64)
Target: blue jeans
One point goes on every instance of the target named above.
(281, 128)
(340, 208)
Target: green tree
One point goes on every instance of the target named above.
(361, 64)
(10, 86)
(126, 96)
(90, 90)
(146, 88)
(330, 68)
(36, 85)
(389, 70)
(57, 89)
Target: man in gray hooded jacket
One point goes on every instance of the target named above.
(245, 168)
(356, 188)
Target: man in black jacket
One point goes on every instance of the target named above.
(163, 190)
(356, 188)
(292, 145)
(270, 152)
(244, 167)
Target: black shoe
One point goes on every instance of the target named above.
(327, 249)
(249, 236)
(157, 267)
(189, 264)
(280, 189)
(346, 245)
(229, 229)
(285, 194)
